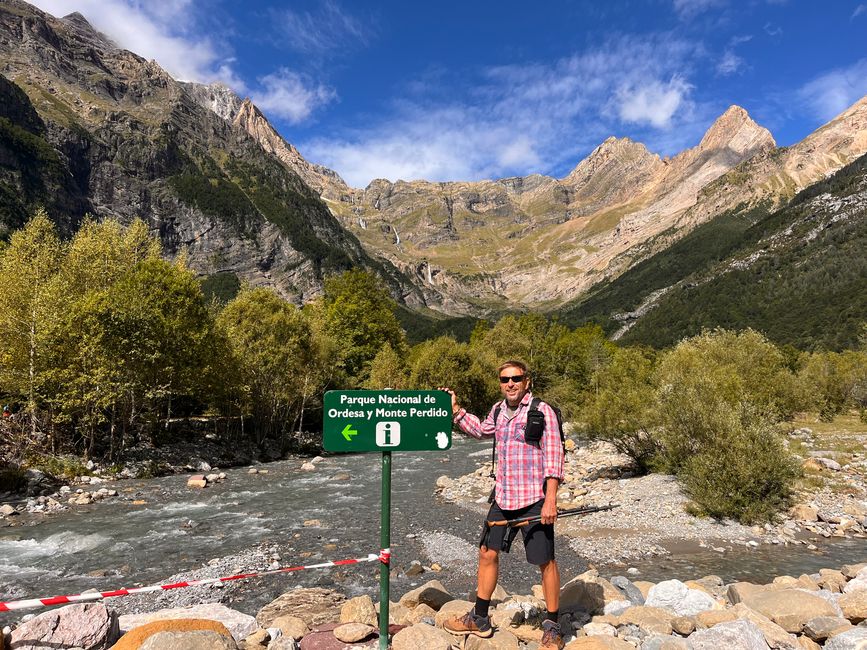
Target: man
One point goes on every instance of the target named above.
(527, 480)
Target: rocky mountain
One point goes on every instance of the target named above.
(87, 127)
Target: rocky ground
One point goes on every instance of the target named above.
(827, 609)
(652, 512)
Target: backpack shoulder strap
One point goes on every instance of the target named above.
(534, 404)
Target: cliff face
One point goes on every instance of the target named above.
(123, 139)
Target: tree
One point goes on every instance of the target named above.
(359, 317)
(29, 305)
(388, 370)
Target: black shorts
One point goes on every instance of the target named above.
(538, 537)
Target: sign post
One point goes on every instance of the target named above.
(385, 421)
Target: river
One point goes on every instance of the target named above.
(116, 543)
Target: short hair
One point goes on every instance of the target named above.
(514, 364)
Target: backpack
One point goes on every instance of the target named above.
(532, 412)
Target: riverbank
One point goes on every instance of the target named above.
(826, 609)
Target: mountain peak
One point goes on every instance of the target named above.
(736, 130)
(612, 153)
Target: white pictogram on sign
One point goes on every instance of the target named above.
(387, 434)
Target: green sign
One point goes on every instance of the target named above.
(387, 420)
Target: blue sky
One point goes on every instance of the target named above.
(471, 90)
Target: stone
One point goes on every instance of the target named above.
(856, 584)
(599, 629)
(588, 592)
(452, 609)
(497, 597)
(419, 613)
(290, 626)
(737, 591)
(733, 635)
(833, 581)
(804, 512)
(517, 610)
(789, 608)
(285, 643)
(824, 627)
(308, 467)
(683, 625)
(775, 636)
(240, 625)
(359, 610)
(852, 570)
(87, 625)
(432, 593)
(598, 643)
(136, 637)
(854, 605)
(313, 605)
(197, 481)
(659, 642)
(422, 636)
(320, 638)
(259, 638)
(714, 617)
(196, 640)
(8, 511)
(353, 632)
(501, 640)
(644, 586)
(312, 523)
(854, 639)
(629, 590)
(650, 620)
(806, 643)
(680, 599)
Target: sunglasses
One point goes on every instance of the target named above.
(517, 379)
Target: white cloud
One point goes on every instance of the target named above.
(729, 64)
(829, 94)
(860, 9)
(653, 102)
(514, 119)
(154, 30)
(330, 27)
(773, 30)
(290, 96)
(687, 9)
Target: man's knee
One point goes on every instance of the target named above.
(488, 556)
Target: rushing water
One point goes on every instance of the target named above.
(116, 543)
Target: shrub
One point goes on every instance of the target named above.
(744, 473)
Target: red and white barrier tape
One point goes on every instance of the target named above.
(383, 557)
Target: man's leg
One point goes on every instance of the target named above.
(551, 585)
(489, 569)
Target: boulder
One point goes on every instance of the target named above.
(650, 620)
(314, 606)
(714, 617)
(854, 605)
(590, 593)
(320, 638)
(86, 625)
(833, 581)
(290, 626)
(790, 608)
(775, 636)
(737, 591)
(452, 609)
(854, 639)
(196, 640)
(497, 597)
(422, 636)
(599, 643)
(806, 643)
(856, 584)
(285, 643)
(419, 613)
(432, 594)
(683, 625)
(134, 639)
(804, 512)
(658, 642)
(259, 638)
(675, 596)
(359, 610)
(852, 570)
(644, 586)
(239, 624)
(197, 481)
(824, 627)
(8, 511)
(629, 590)
(517, 610)
(733, 635)
(501, 640)
(599, 629)
(353, 632)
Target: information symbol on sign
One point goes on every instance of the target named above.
(387, 434)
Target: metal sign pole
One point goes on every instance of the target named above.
(385, 546)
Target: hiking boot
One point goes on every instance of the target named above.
(552, 637)
(469, 623)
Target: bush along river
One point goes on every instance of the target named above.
(296, 512)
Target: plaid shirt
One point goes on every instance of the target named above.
(521, 467)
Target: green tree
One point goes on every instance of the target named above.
(835, 381)
(29, 305)
(359, 316)
(279, 363)
(388, 370)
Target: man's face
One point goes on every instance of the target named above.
(513, 390)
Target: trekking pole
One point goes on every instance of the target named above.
(517, 523)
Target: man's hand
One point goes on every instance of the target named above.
(455, 406)
(549, 507)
